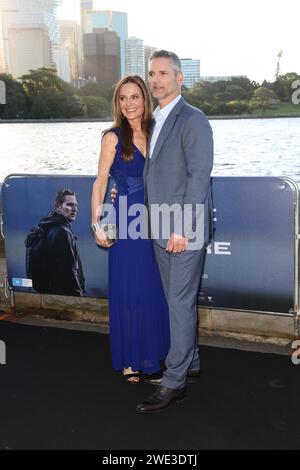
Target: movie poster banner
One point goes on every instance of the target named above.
(250, 262)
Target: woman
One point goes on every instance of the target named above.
(139, 323)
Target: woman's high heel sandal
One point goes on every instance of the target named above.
(132, 379)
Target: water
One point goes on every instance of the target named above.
(247, 147)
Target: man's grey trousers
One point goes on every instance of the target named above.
(181, 275)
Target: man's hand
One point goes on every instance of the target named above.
(113, 194)
(101, 239)
(177, 244)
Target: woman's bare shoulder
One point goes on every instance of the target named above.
(109, 139)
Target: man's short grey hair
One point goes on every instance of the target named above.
(175, 61)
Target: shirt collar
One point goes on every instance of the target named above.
(165, 111)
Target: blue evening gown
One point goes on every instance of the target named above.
(139, 318)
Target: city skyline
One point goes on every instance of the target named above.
(28, 27)
(228, 38)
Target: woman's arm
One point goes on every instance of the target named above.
(107, 155)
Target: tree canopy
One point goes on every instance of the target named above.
(41, 94)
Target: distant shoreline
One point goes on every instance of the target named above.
(74, 120)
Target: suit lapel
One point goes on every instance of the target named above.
(152, 125)
(148, 147)
(165, 130)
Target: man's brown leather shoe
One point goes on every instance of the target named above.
(161, 400)
(155, 379)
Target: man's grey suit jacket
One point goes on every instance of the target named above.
(181, 163)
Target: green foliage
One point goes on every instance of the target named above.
(222, 97)
(237, 107)
(283, 86)
(248, 85)
(285, 109)
(96, 89)
(237, 92)
(263, 98)
(56, 107)
(218, 109)
(238, 96)
(205, 91)
(16, 103)
(96, 106)
(41, 94)
(44, 81)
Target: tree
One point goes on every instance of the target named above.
(283, 85)
(236, 92)
(223, 97)
(248, 85)
(96, 89)
(49, 96)
(281, 89)
(267, 84)
(44, 81)
(205, 91)
(56, 107)
(237, 107)
(263, 98)
(218, 108)
(97, 106)
(16, 104)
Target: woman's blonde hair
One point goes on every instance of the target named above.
(126, 134)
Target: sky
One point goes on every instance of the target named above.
(232, 37)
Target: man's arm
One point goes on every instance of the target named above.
(198, 152)
(197, 143)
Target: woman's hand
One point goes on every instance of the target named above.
(107, 155)
(101, 239)
(113, 194)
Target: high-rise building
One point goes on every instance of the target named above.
(85, 7)
(101, 51)
(86, 4)
(191, 72)
(223, 78)
(63, 64)
(69, 37)
(148, 53)
(2, 62)
(81, 82)
(113, 21)
(135, 57)
(29, 34)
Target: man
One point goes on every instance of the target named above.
(177, 170)
(52, 257)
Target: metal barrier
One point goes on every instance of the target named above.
(251, 265)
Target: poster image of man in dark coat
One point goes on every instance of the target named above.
(52, 256)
